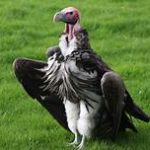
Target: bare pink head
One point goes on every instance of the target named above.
(71, 17)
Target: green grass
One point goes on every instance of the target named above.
(119, 31)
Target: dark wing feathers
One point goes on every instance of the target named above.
(28, 74)
(51, 50)
(94, 62)
(91, 62)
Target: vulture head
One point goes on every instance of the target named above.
(71, 17)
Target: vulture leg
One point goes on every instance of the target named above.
(113, 92)
(72, 113)
(29, 75)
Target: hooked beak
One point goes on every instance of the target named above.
(59, 16)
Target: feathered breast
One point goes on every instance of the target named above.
(65, 78)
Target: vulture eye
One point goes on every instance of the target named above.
(71, 13)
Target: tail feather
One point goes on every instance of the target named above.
(134, 110)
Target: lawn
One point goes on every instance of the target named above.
(119, 31)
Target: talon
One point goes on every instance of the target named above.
(73, 143)
(81, 145)
(76, 141)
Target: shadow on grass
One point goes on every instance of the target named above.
(125, 141)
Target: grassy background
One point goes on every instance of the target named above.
(119, 31)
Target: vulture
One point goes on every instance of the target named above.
(77, 87)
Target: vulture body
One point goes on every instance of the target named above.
(77, 88)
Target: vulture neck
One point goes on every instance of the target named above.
(73, 38)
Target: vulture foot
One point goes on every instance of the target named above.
(81, 145)
(76, 140)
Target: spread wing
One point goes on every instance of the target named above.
(29, 75)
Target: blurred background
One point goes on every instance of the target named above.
(119, 32)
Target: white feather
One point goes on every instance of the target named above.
(72, 113)
(87, 119)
